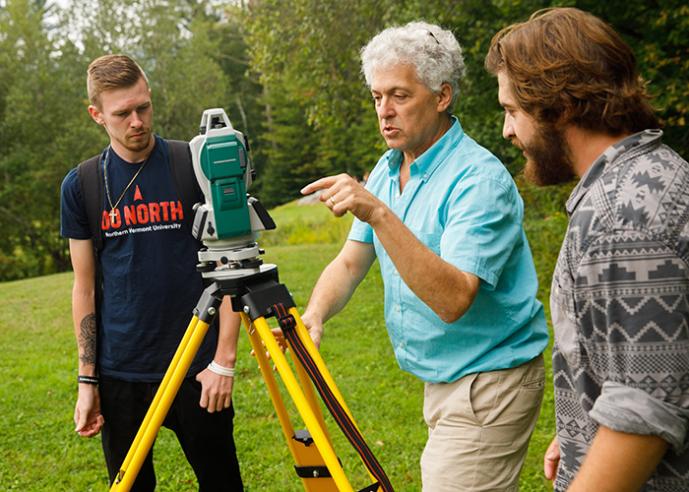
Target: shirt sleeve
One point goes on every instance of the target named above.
(360, 231)
(73, 219)
(632, 292)
(483, 226)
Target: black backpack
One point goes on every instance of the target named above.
(90, 174)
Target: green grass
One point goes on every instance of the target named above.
(39, 450)
(308, 224)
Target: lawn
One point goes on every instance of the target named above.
(39, 450)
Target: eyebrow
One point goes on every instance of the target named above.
(129, 109)
(391, 89)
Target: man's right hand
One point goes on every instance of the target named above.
(87, 416)
(551, 460)
(315, 328)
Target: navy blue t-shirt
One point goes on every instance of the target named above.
(150, 282)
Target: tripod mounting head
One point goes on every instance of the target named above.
(229, 219)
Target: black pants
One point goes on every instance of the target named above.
(206, 438)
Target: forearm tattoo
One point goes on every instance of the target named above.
(87, 339)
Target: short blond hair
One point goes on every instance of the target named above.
(111, 72)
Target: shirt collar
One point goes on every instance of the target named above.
(608, 159)
(427, 162)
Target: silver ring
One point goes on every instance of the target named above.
(332, 201)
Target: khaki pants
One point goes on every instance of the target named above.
(479, 428)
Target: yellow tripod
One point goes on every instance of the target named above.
(258, 295)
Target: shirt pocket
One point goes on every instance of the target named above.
(565, 327)
(430, 239)
(417, 316)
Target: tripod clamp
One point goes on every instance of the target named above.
(252, 292)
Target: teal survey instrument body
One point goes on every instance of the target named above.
(228, 221)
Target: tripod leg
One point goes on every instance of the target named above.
(304, 408)
(274, 392)
(316, 356)
(301, 342)
(309, 463)
(309, 393)
(186, 351)
(156, 399)
(269, 378)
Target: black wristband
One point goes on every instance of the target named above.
(88, 379)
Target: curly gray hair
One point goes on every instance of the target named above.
(433, 51)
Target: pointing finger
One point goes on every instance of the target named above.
(320, 184)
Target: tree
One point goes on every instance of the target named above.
(290, 152)
(44, 127)
(39, 128)
(243, 98)
(287, 72)
(170, 41)
(306, 55)
(309, 50)
(657, 32)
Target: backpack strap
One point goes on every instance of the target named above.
(182, 171)
(90, 175)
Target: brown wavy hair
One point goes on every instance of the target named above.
(567, 66)
(110, 72)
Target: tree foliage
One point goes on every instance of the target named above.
(658, 32)
(310, 49)
(306, 55)
(39, 124)
(44, 126)
(288, 73)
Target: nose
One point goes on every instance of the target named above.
(508, 127)
(384, 108)
(136, 120)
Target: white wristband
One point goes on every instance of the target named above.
(221, 370)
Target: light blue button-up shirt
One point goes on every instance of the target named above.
(460, 202)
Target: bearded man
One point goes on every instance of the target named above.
(576, 106)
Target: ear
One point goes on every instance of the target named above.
(444, 97)
(96, 114)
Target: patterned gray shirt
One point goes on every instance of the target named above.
(620, 307)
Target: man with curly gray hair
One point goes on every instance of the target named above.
(444, 218)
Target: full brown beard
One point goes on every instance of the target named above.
(549, 158)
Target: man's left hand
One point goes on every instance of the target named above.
(551, 460)
(216, 390)
(343, 194)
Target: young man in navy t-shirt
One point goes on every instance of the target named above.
(149, 288)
